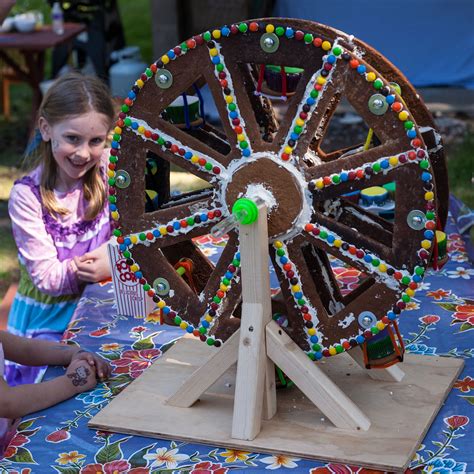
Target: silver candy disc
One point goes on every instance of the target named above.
(163, 79)
(377, 104)
(269, 42)
(416, 219)
(161, 286)
(367, 319)
(122, 179)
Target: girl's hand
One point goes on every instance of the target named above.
(81, 376)
(93, 266)
(101, 366)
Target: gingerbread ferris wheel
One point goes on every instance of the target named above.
(276, 85)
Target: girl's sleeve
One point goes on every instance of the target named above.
(36, 246)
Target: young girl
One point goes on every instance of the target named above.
(15, 402)
(59, 214)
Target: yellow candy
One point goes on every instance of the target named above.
(383, 267)
(161, 304)
(393, 160)
(194, 159)
(277, 244)
(288, 150)
(141, 129)
(403, 115)
(229, 99)
(115, 215)
(118, 130)
(380, 325)
(326, 45)
(110, 173)
(332, 350)
(337, 243)
(213, 52)
(426, 244)
(410, 292)
(183, 325)
(240, 137)
(165, 59)
(134, 267)
(320, 184)
(299, 122)
(216, 34)
(223, 287)
(429, 196)
(163, 230)
(370, 76)
(270, 29)
(311, 331)
(321, 80)
(208, 318)
(140, 83)
(134, 239)
(295, 288)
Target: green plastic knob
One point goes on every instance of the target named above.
(245, 210)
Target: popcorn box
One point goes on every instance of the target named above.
(130, 296)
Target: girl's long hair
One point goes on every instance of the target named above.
(70, 96)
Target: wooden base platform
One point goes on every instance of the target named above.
(400, 412)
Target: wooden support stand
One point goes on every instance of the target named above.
(179, 399)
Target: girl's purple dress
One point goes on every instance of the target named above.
(48, 290)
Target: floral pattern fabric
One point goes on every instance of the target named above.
(438, 321)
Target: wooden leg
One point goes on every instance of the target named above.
(313, 382)
(207, 374)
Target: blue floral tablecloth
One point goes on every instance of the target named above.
(438, 321)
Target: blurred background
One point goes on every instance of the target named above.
(430, 41)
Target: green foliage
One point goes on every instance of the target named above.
(461, 170)
(136, 20)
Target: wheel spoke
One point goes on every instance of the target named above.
(361, 166)
(336, 315)
(230, 107)
(188, 220)
(312, 113)
(176, 146)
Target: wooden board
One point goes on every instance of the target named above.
(400, 412)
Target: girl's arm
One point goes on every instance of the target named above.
(38, 352)
(36, 246)
(21, 400)
(27, 351)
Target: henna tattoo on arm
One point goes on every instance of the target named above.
(79, 377)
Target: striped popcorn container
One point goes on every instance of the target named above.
(129, 294)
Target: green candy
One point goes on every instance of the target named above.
(280, 31)
(243, 27)
(207, 36)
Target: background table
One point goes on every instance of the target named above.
(32, 47)
(438, 321)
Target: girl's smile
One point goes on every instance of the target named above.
(77, 144)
